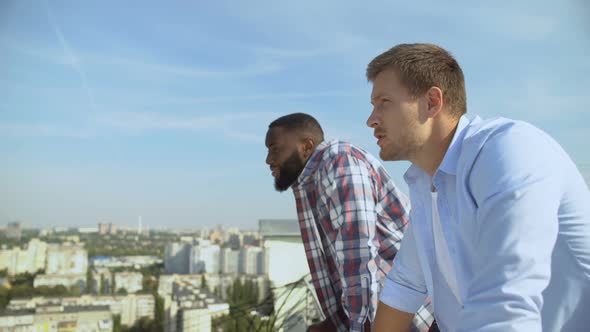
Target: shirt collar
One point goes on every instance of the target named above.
(312, 163)
(449, 163)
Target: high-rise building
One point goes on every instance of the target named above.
(250, 240)
(229, 261)
(235, 241)
(188, 307)
(288, 272)
(125, 261)
(102, 281)
(130, 281)
(57, 318)
(252, 260)
(216, 283)
(37, 249)
(66, 259)
(216, 237)
(204, 258)
(139, 226)
(69, 281)
(103, 228)
(282, 238)
(27, 260)
(130, 307)
(177, 258)
(107, 229)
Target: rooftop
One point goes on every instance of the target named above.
(278, 227)
(53, 309)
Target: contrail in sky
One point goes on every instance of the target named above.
(72, 59)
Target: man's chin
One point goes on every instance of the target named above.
(388, 155)
(384, 155)
(281, 187)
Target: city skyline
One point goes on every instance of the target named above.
(113, 110)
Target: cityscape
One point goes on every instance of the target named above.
(110, 278)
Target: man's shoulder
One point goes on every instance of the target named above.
(483, 130)
(500, 151)
(500, 135)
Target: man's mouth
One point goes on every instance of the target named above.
(379, 137)
(275, 171)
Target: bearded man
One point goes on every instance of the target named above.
(351, 216)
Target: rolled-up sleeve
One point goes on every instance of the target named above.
(404, 287)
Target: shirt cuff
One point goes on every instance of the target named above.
(356, 326)
(400, 297)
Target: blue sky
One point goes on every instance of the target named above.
(111, 110)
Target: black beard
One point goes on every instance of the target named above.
(289, 172)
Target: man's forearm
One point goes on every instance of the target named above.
(389, 319)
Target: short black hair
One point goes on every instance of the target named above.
(301, 123)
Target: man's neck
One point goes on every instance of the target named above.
(433, 152)
(315, 147)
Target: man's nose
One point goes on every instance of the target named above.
(373, 120)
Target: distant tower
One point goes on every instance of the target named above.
(139, 225)
(13, 230)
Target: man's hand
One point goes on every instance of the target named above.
(389, 319)
(323, 326)
(328, 326)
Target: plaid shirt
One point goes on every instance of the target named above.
(352, 219)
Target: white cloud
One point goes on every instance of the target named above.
(188, 71)
(229, 125)
(143, 121)
(70, 56)
(138, 65)
(43, 130)
(255, 97)
(277, 52)
(533, 98)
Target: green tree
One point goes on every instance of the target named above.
(144, 324)
(74, 291)
(113, 284)
(159, 313)
(204, 283)
(149, 285)
(5, 297)
(243, 298)
(89, 281)
(103, 285)
(117, 327)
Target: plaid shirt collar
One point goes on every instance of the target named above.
(312, 163)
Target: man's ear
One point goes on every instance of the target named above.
(307, 147)
(434, 98)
